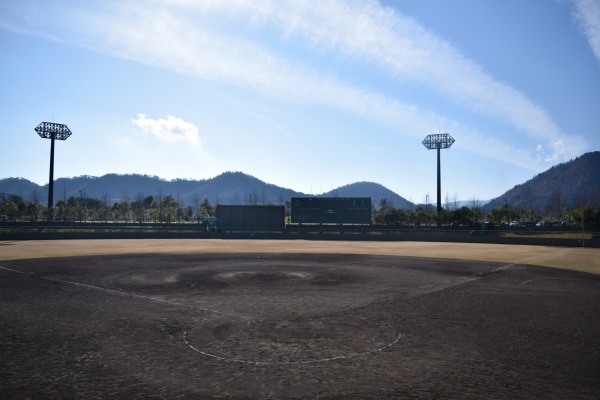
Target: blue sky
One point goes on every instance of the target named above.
(308, 95)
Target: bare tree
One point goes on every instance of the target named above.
(475, 206)
(555, 204)
(455, 202)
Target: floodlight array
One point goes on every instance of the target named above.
(52, 130)
(438, 141)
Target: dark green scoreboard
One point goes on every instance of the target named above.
(331, 210)
(250, 217)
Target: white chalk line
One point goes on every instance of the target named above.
(427, 289)
(115, 292)
(15, 271)
(503, 267)
(546, 279)
(135, 295)
(320, 360)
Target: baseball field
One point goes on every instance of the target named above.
(288, 319)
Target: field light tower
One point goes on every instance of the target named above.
(438, 141)
(52, 131)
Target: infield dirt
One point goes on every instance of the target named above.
(254, 319)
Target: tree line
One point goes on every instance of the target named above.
(163, 209)
(166, 209)
(555, 214)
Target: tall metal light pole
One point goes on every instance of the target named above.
(438, 141)
(52, 131)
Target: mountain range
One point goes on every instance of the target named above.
(574, 182)
(227, 188)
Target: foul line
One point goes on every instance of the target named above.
(116, 292)
(16, 271)
(501, 268)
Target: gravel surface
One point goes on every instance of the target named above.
(193, 325)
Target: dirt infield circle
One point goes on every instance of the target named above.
(254, 319)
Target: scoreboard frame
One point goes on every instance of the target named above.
(331, 210)
(250, 217)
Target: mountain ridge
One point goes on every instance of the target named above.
(227, 188)
(572, 183)
(563, 185)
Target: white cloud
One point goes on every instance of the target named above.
(402, 47)
(539, 150)
(169, 129)
(587, 14)
(187, 36)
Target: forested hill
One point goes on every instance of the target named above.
(377, 192)
(576, 182)
(227, 188)
(573, 183)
